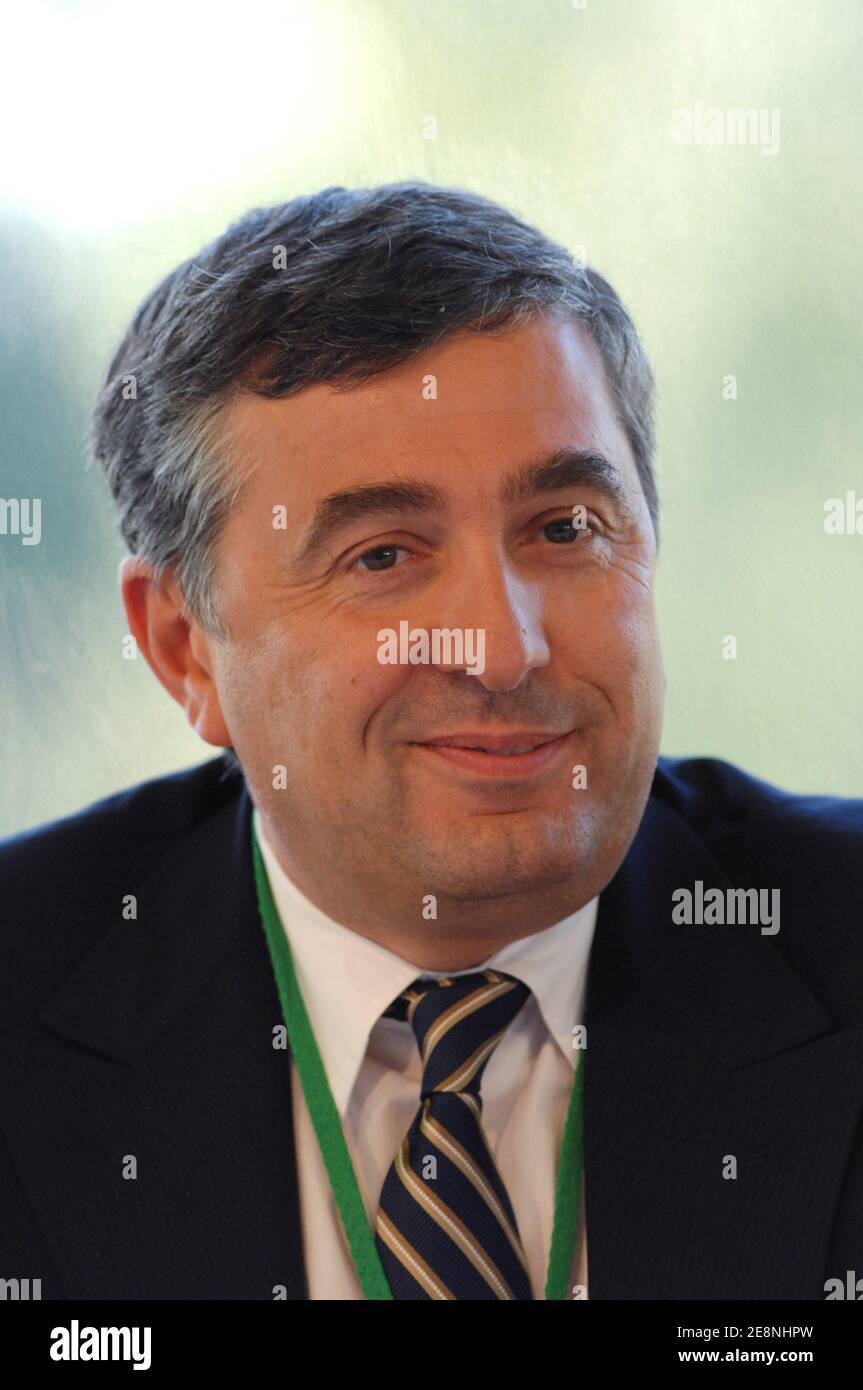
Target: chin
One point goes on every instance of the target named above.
(483, 870)
(474, 887)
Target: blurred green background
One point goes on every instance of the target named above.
(133, 135)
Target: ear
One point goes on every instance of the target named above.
(178, 651)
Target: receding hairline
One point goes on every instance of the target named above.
(231, 431)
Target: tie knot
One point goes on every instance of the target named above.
(458, 1023)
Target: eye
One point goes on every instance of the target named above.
(564, 531)
(380, 557)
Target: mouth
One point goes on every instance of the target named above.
(522, 753)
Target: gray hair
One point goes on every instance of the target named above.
(335, 287)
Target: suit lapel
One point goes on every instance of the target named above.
(704, 1050)
(156, 1058)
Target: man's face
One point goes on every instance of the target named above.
(369, 804)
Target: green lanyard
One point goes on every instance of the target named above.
(328, 1127)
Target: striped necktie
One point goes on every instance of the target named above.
(445, 1226)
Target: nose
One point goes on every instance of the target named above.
(505, 611)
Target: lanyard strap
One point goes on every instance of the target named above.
(328, 1126)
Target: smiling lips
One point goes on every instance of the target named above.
(521, 752)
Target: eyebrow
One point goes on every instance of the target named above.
(548, 473)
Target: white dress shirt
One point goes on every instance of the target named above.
(374, 1070)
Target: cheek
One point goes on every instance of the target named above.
(323, 693)
(612, 643)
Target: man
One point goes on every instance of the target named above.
(439, 983)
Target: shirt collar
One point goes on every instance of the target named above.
(347, 981)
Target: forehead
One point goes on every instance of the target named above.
(488, 400)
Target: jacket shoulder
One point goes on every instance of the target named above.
(720, 800)
(807, 848)
(62, 882)
(138, 820)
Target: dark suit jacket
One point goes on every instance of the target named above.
(153, 1038)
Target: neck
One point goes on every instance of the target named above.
(462, 935)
